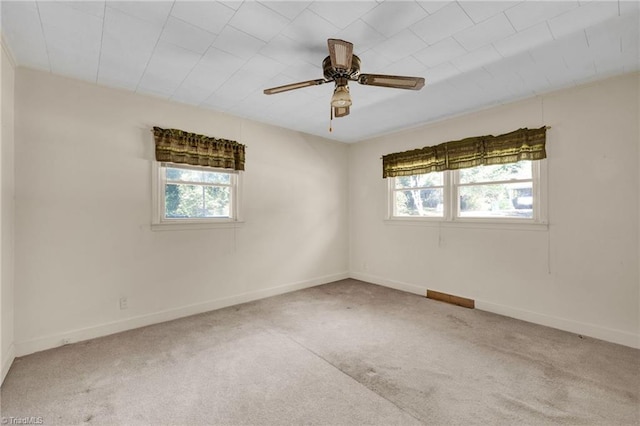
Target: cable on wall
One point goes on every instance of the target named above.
(547, 198)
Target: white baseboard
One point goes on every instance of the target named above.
(7, 360)
(409, 288)
(51, 341)
(26, 347)
(591, 330)
(585, 329)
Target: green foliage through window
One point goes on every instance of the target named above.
(504, 190)
(194, 193)
(494, 191)
(419, 195)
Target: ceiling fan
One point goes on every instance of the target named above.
(341, 66)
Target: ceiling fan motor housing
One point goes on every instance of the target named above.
(331, 73)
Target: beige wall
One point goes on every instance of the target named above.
(581, 274)
(84, 156)
(83, 209)
(7, 75)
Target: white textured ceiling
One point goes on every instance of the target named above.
(221, 55)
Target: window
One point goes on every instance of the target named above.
(506, 192)
(191, 194)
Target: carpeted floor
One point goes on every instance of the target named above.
(343, 353)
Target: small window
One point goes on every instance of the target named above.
(507, 192)
(190, 194)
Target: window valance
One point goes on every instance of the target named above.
(178, 146)
(522, 144)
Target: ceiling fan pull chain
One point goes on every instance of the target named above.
(331, 119)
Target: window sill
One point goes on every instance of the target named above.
(186, 226)
(503, 225)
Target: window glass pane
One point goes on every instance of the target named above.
(419, 202)
(502, 200)
(187, 175)
(216, 177)
(217, 201)
(196, 201)
(427, 179)
(519, 170)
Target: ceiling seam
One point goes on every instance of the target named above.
(195, 26)
(104, 17)
(265, 4)
(222, 84)
(203, 103)
(465, 12)
(154, 47)
(8, 51)
(553, 36)
(509, 20)
(235, 11)
(44, 37)
(586, 37)
(189, 73)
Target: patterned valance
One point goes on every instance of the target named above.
(178, 146)
(522, 144)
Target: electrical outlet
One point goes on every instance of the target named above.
(124, 303)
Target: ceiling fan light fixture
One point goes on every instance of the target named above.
(341, 97)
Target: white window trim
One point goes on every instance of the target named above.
(160, 223)
(450, 220)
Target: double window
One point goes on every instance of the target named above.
(507, 192)
(191, 194)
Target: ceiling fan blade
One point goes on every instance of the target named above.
(340, 111)
(394, 81)
(293, 86)
(341, 53)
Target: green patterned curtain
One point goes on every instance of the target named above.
(178, 146)
(522, 144)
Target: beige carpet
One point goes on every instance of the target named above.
(342, 353)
